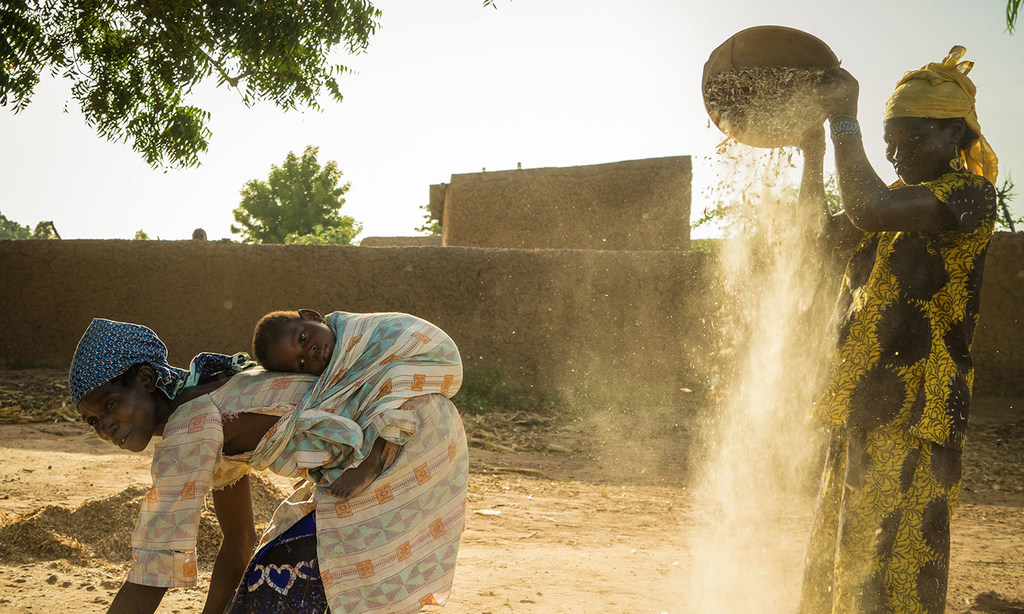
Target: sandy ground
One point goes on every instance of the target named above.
(550, 528)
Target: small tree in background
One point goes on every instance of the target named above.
(431, 225)
(298, 203)
(9, 229)
(1003, 197)
(140, 235)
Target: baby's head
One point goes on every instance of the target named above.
(293, 341)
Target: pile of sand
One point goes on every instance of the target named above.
(102, 528)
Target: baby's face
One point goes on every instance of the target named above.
(302, 346)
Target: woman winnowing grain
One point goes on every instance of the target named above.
(897, 401)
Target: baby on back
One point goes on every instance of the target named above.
(302, 342)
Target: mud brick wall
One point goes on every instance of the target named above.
(636, 323)
(999, 341)
(558, 319)
(632, 205)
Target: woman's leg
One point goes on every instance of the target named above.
(894, 526)
(918, 570)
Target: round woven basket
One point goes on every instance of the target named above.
(789, 114)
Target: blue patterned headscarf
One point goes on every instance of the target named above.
(108, 349)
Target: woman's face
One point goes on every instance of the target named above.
(920, 149)
(127, 416)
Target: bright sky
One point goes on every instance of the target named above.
(448, 86)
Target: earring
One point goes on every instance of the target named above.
(957, 163)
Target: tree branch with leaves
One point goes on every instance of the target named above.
(1012, 10)
(133, 64)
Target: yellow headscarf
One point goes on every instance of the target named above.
(942, 91)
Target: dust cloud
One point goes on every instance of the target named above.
(756, 485)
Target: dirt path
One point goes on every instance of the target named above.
(543, 535)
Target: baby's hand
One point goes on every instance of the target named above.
(352, 481)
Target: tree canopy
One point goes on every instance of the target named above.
(298, 203)
(9, 229)
(133, 64)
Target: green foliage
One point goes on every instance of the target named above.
(299, 199)
(134, 65)
(487, 389)
(45, 230)
(9, 229)
(328, 235)
(705, 245)
(140, 235)
(731, 215)
(832, 199)
(1003, 197)
(740, 215)
(431, 225)
(1012, 9)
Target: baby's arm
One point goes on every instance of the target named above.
(355, 479)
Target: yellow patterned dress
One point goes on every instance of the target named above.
(897, 404)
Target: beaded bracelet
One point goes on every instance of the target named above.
(841, 125)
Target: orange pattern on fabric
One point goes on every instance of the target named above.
(422, 473)
(196, 424)
(280, 384)
(385, 390)
(337, 378)
(365, 569)
(446, 384)
(417, 382)
(421, 337)
(384, 494)
(343, 509)
(188, 490)
(404, 551)
(437, 529)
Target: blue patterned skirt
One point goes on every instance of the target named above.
(283, 577)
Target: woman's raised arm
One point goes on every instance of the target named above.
(837, 231)
(867, 200)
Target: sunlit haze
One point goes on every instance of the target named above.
(449, 86)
